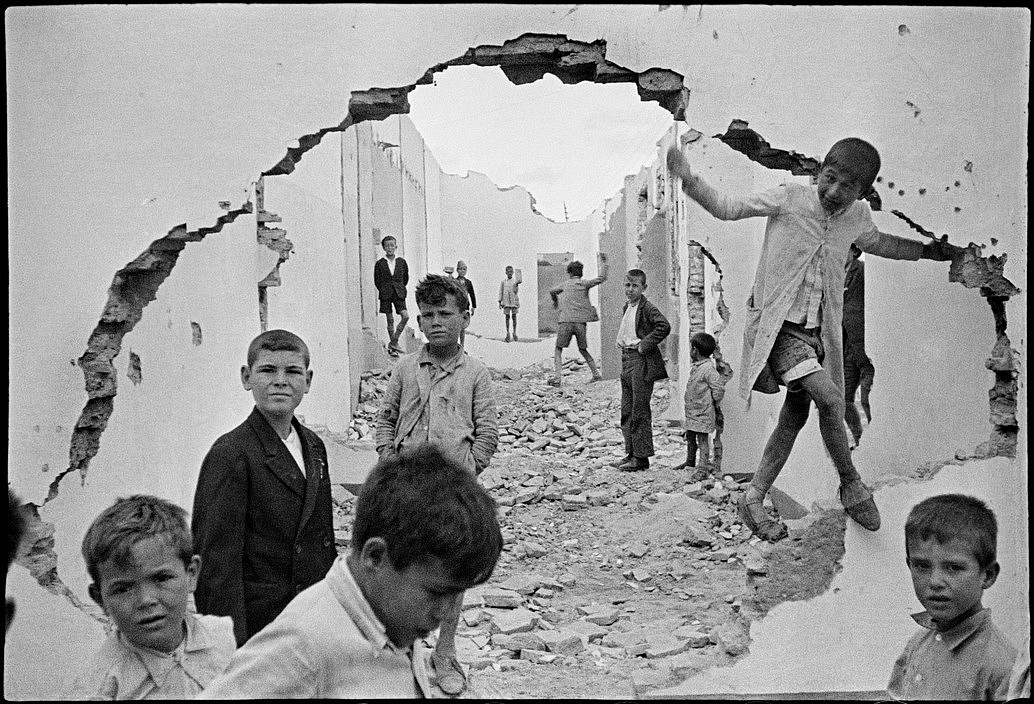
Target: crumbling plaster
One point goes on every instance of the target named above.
(183, 143)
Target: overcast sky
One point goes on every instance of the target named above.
(563, 143)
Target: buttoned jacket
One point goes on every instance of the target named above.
(390, 286)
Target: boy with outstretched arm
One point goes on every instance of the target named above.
(443, 396)
(792, 335)
(950, 548)
(424, 531)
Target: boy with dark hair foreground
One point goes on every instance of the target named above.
(642, 329)
(950, 546)
(141, 561)
(263, 522)
(792, 335)
(443, 396)
(424, 532)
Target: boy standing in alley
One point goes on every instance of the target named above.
(858, 368)
(792, 334)
(571, 299)
(704, 391)
(642, 329)
(509, 301)
(263, 522)
(390, 277)
(441, 395)
(950, 548)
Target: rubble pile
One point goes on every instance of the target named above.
(364, 417)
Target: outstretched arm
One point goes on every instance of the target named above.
(722, 205)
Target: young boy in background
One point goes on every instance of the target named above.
(390, 278)
(443, 396)
(263, 518)
(141, 561)
(509, 301)
(704, 391)
(424, 531)
(792, 335)
(950, 546)
(571, 299)
(642, 329)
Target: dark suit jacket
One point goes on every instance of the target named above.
(390, 287)
(854, 308)
(651, 327)
(264, 532)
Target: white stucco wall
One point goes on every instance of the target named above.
(124, 122)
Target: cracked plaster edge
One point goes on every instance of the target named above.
(571, 61)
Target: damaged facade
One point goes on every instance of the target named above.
(317, 163)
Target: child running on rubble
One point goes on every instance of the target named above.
(704, 391)
(140, 556)
(792, 335)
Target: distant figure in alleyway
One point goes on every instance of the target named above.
(390, 277)
(858, 368)
(950, 549)
(704, 392)
(443, 396)
(642, 329)
(792, 335)
(571, 299)
(462, 280)
(509, 302)
(424, 531)
(263, 522)
(143, 568)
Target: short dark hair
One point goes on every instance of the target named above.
(423, 503)
(637, 274)
(277, 341)
(856, 156)
(128, 521)
(704, 343)
(434, 289)
(388, 237)
(15, 526)
(955, 516)
(575, 268)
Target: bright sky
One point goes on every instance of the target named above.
(563, 143)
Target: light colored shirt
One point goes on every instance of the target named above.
(449, 404)
(121, 670)
(391, 264)
(327, 643)
(799, 236)
(626, 331)
(294, 446)
(704, 391)
(973, 660)
(508, 293)
(572, 297)
(806, 309)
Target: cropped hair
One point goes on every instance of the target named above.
(637, 274)
(424, 504)
(277, 341)
(955, 516)
(388, 237)
(434, 289)
(704, 343)
(856, 156)
(128, 521)
(15, 525)
(575, 268)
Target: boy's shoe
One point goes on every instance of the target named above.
(624, 460)
(515, 338)
(553, 381)
(758, 521)
(596, 377)
(450, 676)
(507, 338)
(636, 464)
(864, 511)
(699, 474)
(685, 465)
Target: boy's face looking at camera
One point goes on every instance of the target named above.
(509, 272)
(837, 188)
(145, 592)
(278, 380)
(948, 579)
(634, 287)
(442, 322)
(390, 245)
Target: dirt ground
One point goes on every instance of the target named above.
(652, 571)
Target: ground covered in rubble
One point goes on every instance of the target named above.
(611, 583)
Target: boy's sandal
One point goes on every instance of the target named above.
(763, 527)
(862, 508)
(449, 674)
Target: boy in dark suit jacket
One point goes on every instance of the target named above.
(262, 518)
(642, 329)
(390, 276)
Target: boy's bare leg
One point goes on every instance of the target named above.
(704, 443)
(403, 319)
(830, 404)
(592, 364)
(392, 340)
(792, 417)
(451, 679)
(558, 367)
(515, 326)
